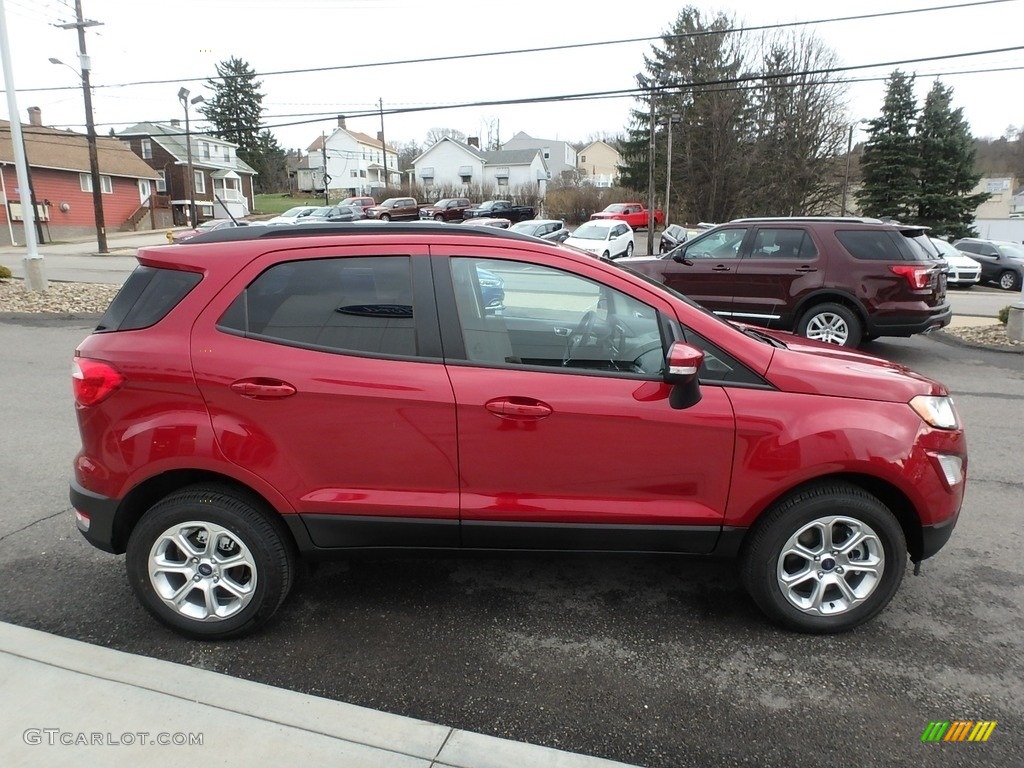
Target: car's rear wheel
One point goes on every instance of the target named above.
(826, 559)
(629, 250)
(1008, 280)
(832, 323)
(210, 562)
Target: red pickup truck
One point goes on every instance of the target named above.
(633, 214)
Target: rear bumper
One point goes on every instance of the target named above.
(95, 518)
(910, 324)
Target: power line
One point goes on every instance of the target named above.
(568, 46)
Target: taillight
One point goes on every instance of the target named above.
(916, 276)
(93, 381)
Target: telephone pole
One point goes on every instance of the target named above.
(90, 127)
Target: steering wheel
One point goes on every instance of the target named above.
(583, 330)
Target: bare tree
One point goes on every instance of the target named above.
(434, 135)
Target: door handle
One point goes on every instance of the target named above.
(518, 408)
(805, 270)
(261, 388)
(721, 268)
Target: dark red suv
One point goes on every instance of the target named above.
(265, 393)
(839, 280)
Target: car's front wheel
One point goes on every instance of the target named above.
(1009, 281)
(384, 217)
(832, 323)
(438, 217)
(210, 562)
(826, 559)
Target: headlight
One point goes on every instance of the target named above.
(936, 411)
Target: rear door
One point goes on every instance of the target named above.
(322, 375)
(779, 266)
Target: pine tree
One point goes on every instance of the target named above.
(236, 110)
(946, 176)
(890, 161)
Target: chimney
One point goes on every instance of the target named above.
(380, 136)
(474, 141)
(176, 123)
(341, 122)
(35, 117)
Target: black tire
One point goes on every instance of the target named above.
(385, 217)
(241, 561)
(832, 323)
(629, 250)
(1009, 280)
(836, 507)
(438, 217)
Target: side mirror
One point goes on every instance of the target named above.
(682, 365)
(678, 255)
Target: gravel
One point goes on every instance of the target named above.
(92, 299)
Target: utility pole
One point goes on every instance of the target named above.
(650, 181)
(90, 127)
(327, 179)
(32, 262)
(383, 144)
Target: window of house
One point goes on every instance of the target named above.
(199, 182)
(161, 181)
(204, 149)
(583, 158)
(596, 328)
(355, 174)
(503, 181)
(547, 153)
(147, 149)
(85, 181)
(227, 154)
(466, 179)
(346, 305)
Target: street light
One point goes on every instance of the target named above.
(90, 134)
(183, 97)
(671, 119)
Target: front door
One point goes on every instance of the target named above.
(709, 274)
(144, 191)
(566, 436)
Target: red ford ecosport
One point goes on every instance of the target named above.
(264, 394)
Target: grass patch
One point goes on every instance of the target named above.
(276, 204)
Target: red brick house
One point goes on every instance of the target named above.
(217, 170)
(58, 163)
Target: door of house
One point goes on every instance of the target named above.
(144, 190)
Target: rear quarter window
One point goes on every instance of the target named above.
(879, 245)
(147, 296)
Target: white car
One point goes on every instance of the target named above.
(293, 215)
(963, 271)
(605, 238)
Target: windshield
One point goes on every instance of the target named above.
(591, 231)
(487, 204)
(616, 208)
(291, 213)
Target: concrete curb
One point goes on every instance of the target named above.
(70, 703)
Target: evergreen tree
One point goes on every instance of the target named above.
(890, 161)
(235, 109)
(946, 176)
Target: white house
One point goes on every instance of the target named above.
(450, 164)
(357, 164)
(558, 155)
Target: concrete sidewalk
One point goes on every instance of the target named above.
(70, 703)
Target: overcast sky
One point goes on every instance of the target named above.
(180, 42)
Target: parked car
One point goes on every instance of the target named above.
(395, 209)
(1002, 262)
(364, 203)
(551, 230)
(608, 239)
(207, 226)
(500, 209)
(268, 394)
(838, 280)
(499, 223)
(674, 234)
(961, 270)
(293, 215)
(446, 209)
(634, 214)
(334, 213)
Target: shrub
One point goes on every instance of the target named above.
(5, 272)
(1004, 315)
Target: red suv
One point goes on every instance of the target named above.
(263, 394)
(840, 280)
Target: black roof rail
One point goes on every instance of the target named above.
(838, 219)
(364, 227)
